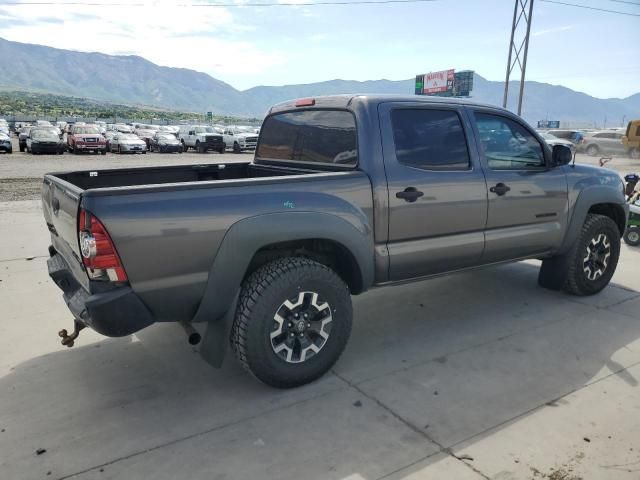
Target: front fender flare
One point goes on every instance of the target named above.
(587, 199)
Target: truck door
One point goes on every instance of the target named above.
(437, 190)
(528, 201)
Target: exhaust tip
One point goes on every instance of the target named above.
(194, 338)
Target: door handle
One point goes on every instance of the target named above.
(500, 189)
(410, 194)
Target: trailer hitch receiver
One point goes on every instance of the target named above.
(67, 339)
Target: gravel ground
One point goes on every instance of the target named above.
(21, 173)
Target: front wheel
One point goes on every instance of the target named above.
(632, 236)
(592, 150)
(594, 256)
(292, 322)
(634, 153)
(236, 148)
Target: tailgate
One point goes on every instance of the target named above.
(60, 205)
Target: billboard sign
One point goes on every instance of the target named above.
(438, 82)
(548, 123)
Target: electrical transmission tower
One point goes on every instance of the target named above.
(522, 12)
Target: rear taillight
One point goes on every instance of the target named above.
(99, 255)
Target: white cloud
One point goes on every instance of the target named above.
(207, 39)
(552, 30)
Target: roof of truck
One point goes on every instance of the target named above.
(345, 100)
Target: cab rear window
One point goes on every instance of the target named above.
(310, 136)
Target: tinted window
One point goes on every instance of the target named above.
(429, 139)
(507, 145)
(319, 136)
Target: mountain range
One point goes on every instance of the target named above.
(135, 80)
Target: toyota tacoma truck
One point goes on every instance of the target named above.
(344, 193)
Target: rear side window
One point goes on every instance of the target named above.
(429, 139)
(315, 136)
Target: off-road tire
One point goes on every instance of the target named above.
(261, 296)
(577, 282)
(632, 236)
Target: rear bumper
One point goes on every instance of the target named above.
(114, 313)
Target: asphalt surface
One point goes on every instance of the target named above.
(479, 375)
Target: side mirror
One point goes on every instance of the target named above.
(561, 155)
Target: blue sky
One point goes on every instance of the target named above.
(589, 51)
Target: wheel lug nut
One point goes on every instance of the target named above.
(295, 315)
(308, 325)
(289, 324)
(291, 334)
(306, 315)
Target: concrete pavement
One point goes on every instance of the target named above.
(477, 375)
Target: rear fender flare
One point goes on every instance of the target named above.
(246, 237)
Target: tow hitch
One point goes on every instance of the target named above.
(67, 339)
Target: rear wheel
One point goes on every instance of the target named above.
(292, 322)
(632, 236)
(592, 150)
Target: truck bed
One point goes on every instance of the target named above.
(90, 179)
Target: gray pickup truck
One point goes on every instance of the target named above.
(345, 193)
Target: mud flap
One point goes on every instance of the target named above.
(216, 339)
(553, 272)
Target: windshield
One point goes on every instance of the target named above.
(43, 135)
(548, 136)
(244, 129)
(166, 136)
(86, 130)
(128, 137)
(204, 130)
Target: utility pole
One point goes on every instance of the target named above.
(517, 45)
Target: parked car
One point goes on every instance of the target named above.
(552, 140)
(631, 139)
(4, 126)
(145, 132)
(201, 137)
(602, 143)
(127, 143)
(268, 253)
(108, 136)
(574, 136)
(23, 134)
(122, 128)
(86, 138)
(242, 138)
(165, 142)
(43, 123)
(45, 140)
(5, 143)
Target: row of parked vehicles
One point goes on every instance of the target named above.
(100, 138)
(615, 141)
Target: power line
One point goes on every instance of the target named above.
(627, 2)
(591, 8)
(226, 5)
